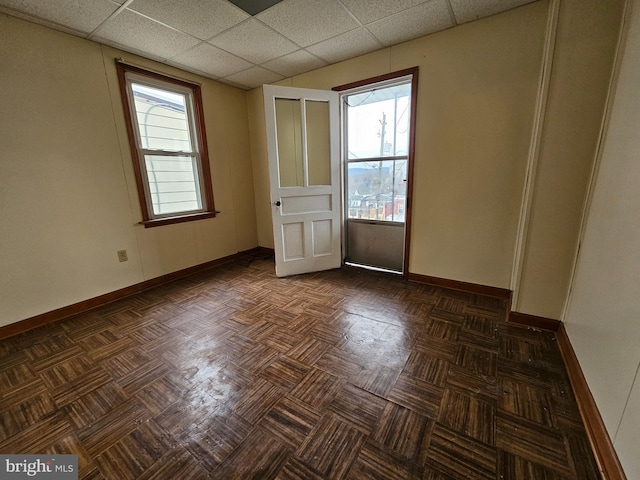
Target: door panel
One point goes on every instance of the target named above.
(293, 241)
(310, 203)
(304, 168)
(376, 244)
(322, 235)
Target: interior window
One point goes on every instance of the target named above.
(168, 145)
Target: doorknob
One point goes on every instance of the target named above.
(277, 203)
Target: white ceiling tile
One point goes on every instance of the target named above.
(200, 18)
(348, 45)
(80, 16)
(295, 63)
(368, 11)
(308, 21)
(191, 70)
(254, 77)
(328, 31)
(254, 42)
(412, 23)
(469, 10)
(136, 32)
(211, 60)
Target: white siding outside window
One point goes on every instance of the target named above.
(166, 142)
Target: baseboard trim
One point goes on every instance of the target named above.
(599, 439)
(601, 443)
(543, 323)
(265, 251)
(95, 302)
(462, 286)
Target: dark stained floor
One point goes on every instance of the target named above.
(345, 374)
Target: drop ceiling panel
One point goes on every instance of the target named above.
(308, 21)
(469, 10)
(412, 23)
(254, 41)
(367, 11)
(348, 45)
(140, 33)
(211, 60)
(220, 40)
(200, 18)
(254, 77)
(292, 63)
(79, 16)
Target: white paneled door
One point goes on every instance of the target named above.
(304, 168)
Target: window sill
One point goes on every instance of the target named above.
(157, 222)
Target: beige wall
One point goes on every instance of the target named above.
(586, 39)
(603, 315)
(260, 165)
(476, 101)
(67, 188)
(70, 201)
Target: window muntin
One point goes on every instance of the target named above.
(166, 131)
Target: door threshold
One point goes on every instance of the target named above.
(370, 267)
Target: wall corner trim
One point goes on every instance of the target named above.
(542, 323)
(533, 157)
(601, 444)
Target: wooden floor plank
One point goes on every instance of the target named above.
(345, 374)
(332, 447)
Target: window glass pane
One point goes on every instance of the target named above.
(378, 122)
(173, 183)
(318, 143)
(399, 191)
(168, 144)
(377, 190)
(162, 119)
(289, 139)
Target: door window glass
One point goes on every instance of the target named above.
(289, 135)
(318, 145)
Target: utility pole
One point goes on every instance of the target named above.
(383, 131)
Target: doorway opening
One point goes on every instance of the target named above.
(378, 121)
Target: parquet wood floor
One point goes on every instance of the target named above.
(345, 374)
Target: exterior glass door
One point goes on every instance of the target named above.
(376, 121)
